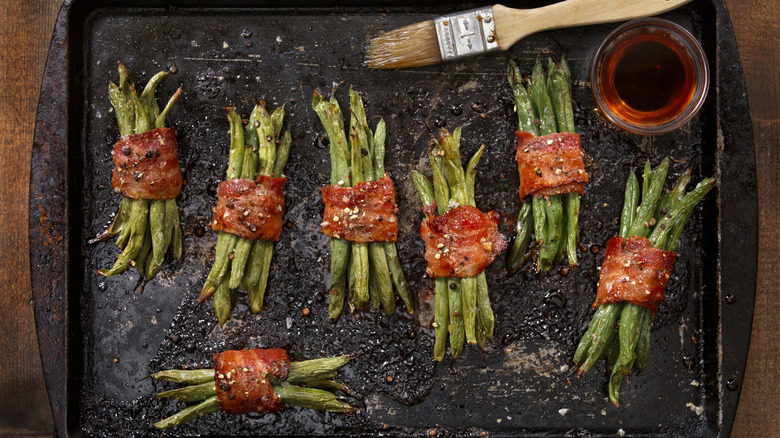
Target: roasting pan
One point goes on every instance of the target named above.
(99, 337)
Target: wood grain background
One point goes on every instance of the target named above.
(25, 30)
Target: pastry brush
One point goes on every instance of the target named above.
(496, 27)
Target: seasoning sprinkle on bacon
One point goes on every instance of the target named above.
(550, 165)
(635, 272)
(243, 380)
(146, 165)
(251, 209)
(363, 213)
(462, 242)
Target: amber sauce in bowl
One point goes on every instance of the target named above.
(650, 76)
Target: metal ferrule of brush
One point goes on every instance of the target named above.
(466, 33)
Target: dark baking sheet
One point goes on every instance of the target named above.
(233, 54)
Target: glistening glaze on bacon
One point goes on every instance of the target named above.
(635, 272)
(550, 165)
(146, 165)
(250, 209)
(462, 242)
(364, 213)
(243, 382)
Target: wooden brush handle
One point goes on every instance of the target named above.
(515, 24)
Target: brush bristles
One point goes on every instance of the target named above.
(415, 45)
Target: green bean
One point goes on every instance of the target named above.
(468, 287)
(523, 104)
(424, 188)
(138, 218)
(141, 259)
(238, 264)
(176, 238)
(330, 116)
(224, 299)
(339, 260)
(549, 249)
(206, 407)
(123, 108)
(141, 116)
(595, 338)
(667, 233)
(185, 376)
(329, 385)
(190, 394)
(471, 173)
(282, 154)
(159, 122)
(642, 223)
(267, 153)
(643, 343)
(456, 323)
(647, 178)
(539, 209)
(256, 273)
(560, 98)
(572, 225)
(563, 242)
(381, 272)
(315, 369)
(120, 225)
(440, 186)
(441, 318)
(518, 252)
(332, 120)
(628, 335)
(160, 236)
(630, 205)
(311, 398)
(277, 121)
(373, 288)
(242, 246)
(541, 101)
(453, 169)
(148, 100)
(236, 155)
(397, 276)
(360, 274)
(484, 312)
(226, 242)
(380, 133)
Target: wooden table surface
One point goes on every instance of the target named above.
(25, 30)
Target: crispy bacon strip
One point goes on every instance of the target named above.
(146, 165)
(550, 165)
(462, 242)
(250, 209)
(635, 272)
(243, 382)
(364, 213)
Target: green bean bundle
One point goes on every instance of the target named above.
(147, 228)
(620, 332)
(309, 384)
(260, 149)
(370, 270)
(462, 304)
(544, 107)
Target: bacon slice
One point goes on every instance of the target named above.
(146, 165)
(243, 382)
(550, 165)
(462, 242)
(635, 272)
(250, 209)
(363, 213)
